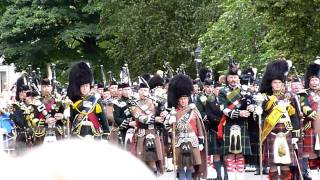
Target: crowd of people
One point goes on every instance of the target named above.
(173, 123)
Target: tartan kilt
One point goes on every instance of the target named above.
(214, 144)
(268, 155)
(254, 140)
(142, 152)
(309, 142)
(245, 138)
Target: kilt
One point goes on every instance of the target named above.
(309, 141)
(268, 158)
(245, 139)
(188, 161)
(149, 156)
(214, 144)
(114, 136)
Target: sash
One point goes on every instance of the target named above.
(88, 111)
(182, 123)
(233, 97)
(271, 121)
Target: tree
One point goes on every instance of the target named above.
(259, 31)
(239, 31)
(294, 29)
(40, 32)
(147, 33)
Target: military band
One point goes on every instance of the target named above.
(204, 128)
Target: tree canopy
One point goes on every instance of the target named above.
(145, 34)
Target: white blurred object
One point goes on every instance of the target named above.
(201, 147)
(80, 160)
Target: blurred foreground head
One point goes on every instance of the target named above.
(75, 160)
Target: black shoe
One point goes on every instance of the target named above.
(264, 172)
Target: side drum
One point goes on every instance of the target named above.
(7, 131)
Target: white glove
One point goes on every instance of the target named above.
(259, 110)
(200, 147)
(172, 120)
(66, 113)
(294, 140)
(203, 99)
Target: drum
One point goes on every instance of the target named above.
(7, 131)
(6, 124)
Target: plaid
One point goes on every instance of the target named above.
(309, 141)
(225, 99)
(245, 139)
(254, 136)
(214, 145)
(268, 146)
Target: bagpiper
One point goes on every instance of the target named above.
(148, 145)
(88, 118)
(280, 122)
(23, 128)
(49, 112)
(310, 99)
(190, 135)
(233, 126)
(123, 120)
(213, 115)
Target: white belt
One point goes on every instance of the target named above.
(186, 135)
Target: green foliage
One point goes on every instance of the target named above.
(147, 33)
(40, 32)
(255, 32)
(239, 31)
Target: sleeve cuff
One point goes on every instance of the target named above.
(235, 114)
(296, 133)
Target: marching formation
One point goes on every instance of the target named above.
(206, 128)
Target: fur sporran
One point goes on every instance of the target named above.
(281, 149)
(150, 143)
(186, 149)
(235, 140)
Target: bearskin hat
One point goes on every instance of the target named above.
(205, 73)
(80, 74)
(313, 70)
(277, 69)
(156, 81)
(179, 86)
(21, 85)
